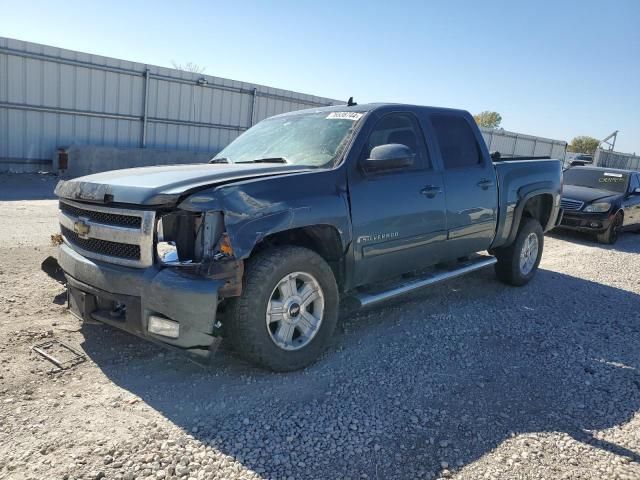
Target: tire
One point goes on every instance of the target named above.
(610, 235)
(509, 268)
(251, 329)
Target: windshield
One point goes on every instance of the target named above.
(312, 139)
(600, 179)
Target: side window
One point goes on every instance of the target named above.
(399, 128)
(458, 145)
(635, 182)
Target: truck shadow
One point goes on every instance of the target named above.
(444, 375)
(627, 241)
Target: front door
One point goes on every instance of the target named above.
(470, 183)
(397, 216)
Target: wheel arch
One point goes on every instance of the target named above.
(537, 204)
(620, 211)
(323, 239)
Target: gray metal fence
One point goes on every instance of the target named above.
(51, 97)
(611, 159)
(518, 144)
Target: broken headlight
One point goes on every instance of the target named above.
(187, 238)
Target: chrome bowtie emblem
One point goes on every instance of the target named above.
(81, 228)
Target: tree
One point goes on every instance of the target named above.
(584, 144)
(488, 119)
(188, 67)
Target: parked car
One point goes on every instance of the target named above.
(580, 160)
(301, 210)
(604, 201)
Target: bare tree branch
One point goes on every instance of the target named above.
(188, 67)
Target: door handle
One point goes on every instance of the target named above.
(485, 183)
(431, 191)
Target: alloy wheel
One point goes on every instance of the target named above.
(295, 311)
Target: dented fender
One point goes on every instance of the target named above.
(257, 208)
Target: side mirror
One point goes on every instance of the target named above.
(635, 191)
(391, 156)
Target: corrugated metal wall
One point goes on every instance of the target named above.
(611, 159)
(51, 97)
(517, 144)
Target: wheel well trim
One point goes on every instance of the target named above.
(332, 248)
(619, 211)
(519, 210)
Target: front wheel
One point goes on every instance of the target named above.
(518, 263)
(610, 235)
(288, 309)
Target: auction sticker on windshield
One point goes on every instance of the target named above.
(611, 178)
(345, 116)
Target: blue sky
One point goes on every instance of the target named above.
(551, 68)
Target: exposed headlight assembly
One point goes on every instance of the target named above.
(599, 207)
(187, 238)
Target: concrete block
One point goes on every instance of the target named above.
(88, 159)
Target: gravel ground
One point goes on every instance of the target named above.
(468, 380)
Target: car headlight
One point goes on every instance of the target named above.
(599, 207)
(166, 242)
(187, 238)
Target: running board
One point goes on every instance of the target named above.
(370, 298)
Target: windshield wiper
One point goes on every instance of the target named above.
(219, 160)
(267, 160)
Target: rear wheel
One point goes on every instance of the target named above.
(518, 263)
(288, 309)
(610, 235)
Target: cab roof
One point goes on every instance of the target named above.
(370, 107)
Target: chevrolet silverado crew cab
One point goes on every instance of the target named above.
(362, 202)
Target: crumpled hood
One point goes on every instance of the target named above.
(163, 184)
(587, 195)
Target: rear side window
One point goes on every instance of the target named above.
(458, 145)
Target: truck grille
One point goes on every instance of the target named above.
(102, 247)
(102, 217)
(114, 235)
(570, 205)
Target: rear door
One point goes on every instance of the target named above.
(397, 216)
(470, 183)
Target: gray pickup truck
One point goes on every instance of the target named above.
(305, 209)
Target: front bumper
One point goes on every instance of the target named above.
(99, 291)
(586, 222)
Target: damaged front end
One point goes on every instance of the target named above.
(158, 273)
(196, 242)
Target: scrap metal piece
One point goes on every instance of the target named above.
(63, 364)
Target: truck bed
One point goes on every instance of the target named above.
(516, 178)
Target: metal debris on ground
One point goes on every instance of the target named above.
(60, 354)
